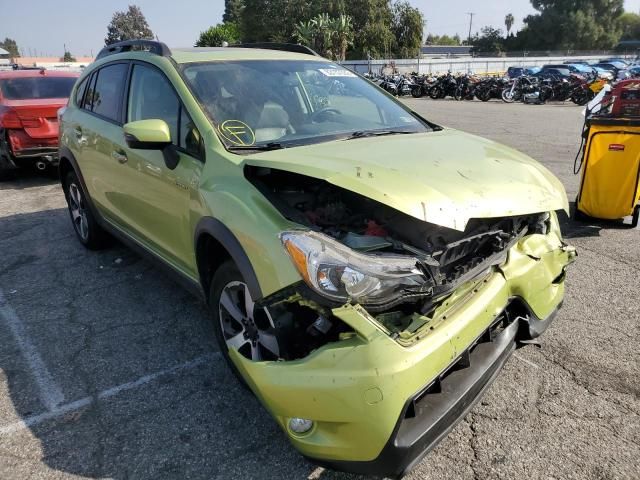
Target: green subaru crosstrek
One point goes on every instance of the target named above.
(368, 272)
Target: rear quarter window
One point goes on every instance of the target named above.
(80, 91)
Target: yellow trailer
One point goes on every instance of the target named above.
(609, 188)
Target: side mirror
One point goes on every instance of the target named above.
(152, 134)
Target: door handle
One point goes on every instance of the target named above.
(120, 157)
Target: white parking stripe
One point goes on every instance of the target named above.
(105, 394)
(50, 393)
(528, 362)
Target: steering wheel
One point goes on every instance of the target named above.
(319, 114)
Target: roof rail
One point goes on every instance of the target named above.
(285, 47)
(152, 46)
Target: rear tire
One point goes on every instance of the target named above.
(636, 217)
(88, 231)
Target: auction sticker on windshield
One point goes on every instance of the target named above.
(337, 72)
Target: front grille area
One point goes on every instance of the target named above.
(512, 313)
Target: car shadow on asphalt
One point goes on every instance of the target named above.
(112, 322)
(588, 227)
(27, 178)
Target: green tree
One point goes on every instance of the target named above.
(407, 26)
(342, 29)
(67, 57)
(629, 24)
(232, 11)
(274, 20)
(10, 45)
(443, 40)
(560, 24)
(490, 40)
(279, 21)
(509, 20)
(328, 36)
(215, 36)
(129, 25)
(306, 33)
(372, 20)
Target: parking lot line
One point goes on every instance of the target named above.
(65, 409)
(528, 362)
(50, 393)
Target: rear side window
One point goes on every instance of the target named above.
(107, 93)
(35, 88)
(80, 91)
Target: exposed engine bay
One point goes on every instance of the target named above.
(446, 258)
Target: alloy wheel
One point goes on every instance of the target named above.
(245, 327)
(78, 211)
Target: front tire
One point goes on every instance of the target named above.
(87, 229)
(237, 322)
(507, 95)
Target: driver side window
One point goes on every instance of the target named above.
(151, 96)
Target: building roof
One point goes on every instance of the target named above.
(3, 52)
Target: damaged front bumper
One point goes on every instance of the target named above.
(379, 403)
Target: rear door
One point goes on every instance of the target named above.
(158, 198)
(97, 128)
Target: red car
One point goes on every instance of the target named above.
(29, 102)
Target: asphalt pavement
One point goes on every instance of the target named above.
(108, 369)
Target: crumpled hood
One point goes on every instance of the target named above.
(445, 177)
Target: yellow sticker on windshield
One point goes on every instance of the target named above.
(237, 133)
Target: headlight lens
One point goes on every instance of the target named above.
(342, 274)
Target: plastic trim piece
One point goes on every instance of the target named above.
(151, 46)
(284, 47)
(414, 436)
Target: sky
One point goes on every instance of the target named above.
(44, 27)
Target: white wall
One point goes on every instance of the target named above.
(459, 65)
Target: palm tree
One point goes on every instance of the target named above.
(508, 22)
(342, 30)
(324, 33)
(306, 33)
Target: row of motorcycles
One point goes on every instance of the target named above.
(528, 89)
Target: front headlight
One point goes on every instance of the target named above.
(342, 274)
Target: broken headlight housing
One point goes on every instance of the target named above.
(342, 274)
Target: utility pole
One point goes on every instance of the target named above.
(470, 25)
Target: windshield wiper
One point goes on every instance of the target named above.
(377, 133)
(263, 147)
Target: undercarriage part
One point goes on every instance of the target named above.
(447, 257)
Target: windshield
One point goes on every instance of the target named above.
(289, 103)
(34, 88)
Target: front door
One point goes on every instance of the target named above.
(159, 198)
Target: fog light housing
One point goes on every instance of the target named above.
(300, 425)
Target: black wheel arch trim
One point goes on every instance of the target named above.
(66, 154)
(221, 233)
